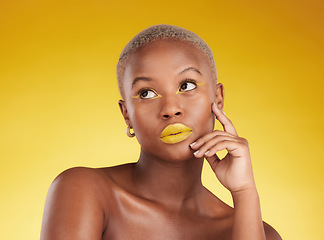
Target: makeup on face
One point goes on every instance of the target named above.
(175, 133)
(185, 86)
(161, 81)
(147, 93)
(188, 85)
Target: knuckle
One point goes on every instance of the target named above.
(245, 141)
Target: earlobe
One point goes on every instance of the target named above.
(124, 112)
(219, 99)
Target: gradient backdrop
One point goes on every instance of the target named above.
(58, 97)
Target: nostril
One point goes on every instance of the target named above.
(167, 116)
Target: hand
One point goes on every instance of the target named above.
(234, 171)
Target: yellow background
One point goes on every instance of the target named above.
(58, 97)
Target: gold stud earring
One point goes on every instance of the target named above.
(129, 134)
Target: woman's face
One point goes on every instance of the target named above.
(165, 83)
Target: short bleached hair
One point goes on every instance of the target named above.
(161, 32)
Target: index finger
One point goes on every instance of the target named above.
(226, 123)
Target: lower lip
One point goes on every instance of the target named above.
(179, 137)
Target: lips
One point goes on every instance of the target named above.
(175, 133)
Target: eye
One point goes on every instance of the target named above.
(187, 86)
(147, 94)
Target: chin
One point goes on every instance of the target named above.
(177, 152)
(169, 152)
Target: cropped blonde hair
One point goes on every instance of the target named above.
(161, 32)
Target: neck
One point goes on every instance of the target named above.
(173, 184)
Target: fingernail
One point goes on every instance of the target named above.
(206, 153)
(192, 144)
(223, 112)
(195, 153)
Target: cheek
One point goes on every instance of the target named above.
(208, 119)
(202, 115)
(144, 122)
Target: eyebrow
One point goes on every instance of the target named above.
(140, 78)
(190, 69)
(150, 79)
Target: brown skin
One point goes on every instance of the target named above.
(161, 196)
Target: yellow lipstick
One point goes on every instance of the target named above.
(175, 133)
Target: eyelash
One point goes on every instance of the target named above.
(187, 81)
(140, 92)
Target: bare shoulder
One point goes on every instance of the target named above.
(271, 233)
(75, 198)
(77, 175)
(79, 182)
(223, 216)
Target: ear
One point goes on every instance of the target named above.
(124, 111)
(219, 100)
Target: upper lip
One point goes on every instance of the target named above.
(175, 128)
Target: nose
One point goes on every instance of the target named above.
(171, 108)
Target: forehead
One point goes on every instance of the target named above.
(166, 55)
